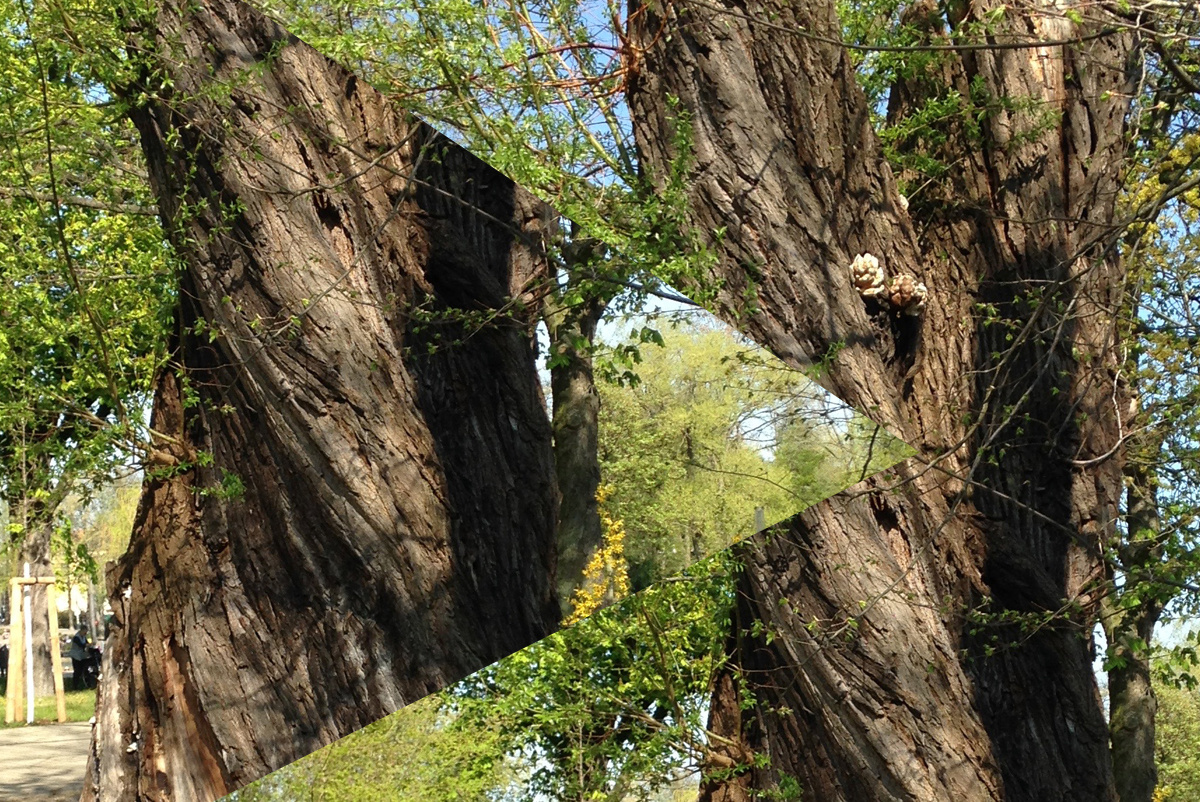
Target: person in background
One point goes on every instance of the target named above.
(80, 657)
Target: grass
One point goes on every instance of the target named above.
(81, 706)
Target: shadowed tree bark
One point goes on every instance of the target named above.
(352, 500)
(870, 682)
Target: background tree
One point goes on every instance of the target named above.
(441, 763)
(94, 530)
(1154, 565)
(84, 294)
(1177, 741)
(712, 430)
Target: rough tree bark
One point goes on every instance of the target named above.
(351, 502)
(872, 685)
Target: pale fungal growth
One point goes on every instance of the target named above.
(868, 276)
(903, 293)
(904, 203)
(907, 294)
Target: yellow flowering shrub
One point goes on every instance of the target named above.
(606, 577)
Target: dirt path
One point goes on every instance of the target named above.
(43, 763)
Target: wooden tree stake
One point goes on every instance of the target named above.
(17, 667)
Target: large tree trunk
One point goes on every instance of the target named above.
(352, 503)
(871, 684)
